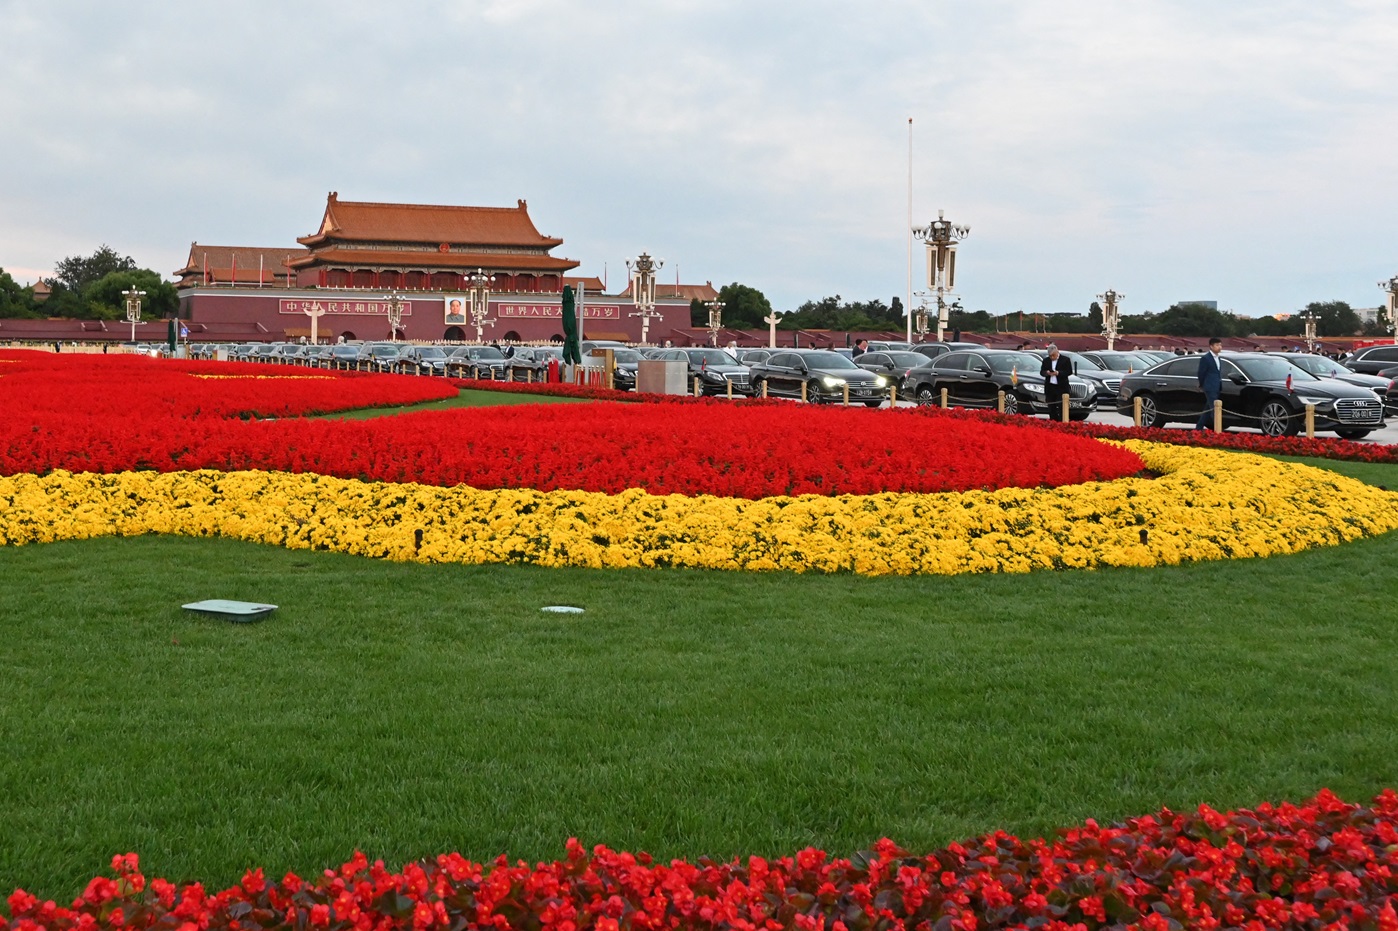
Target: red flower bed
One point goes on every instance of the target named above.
(715, 447)
(1325, 864)
(37, 383)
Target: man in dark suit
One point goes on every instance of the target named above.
(1210, 381)
(1055, 371)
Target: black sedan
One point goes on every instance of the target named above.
(1370, 360)
(825, 375)
(891, 364)
(1261, 391)
(1321, 367)
(626, 361)
(976, 378)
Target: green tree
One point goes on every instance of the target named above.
(103, 298)
(78, 271)
(698, 313)
(742, 306)
(1195, 320)
(1094, 318)
(1334, 318)
(15, 300)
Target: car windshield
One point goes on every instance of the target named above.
(710, 356)
(385, 351)
(828, 360)
(906, 358)
(1272, 370)
(1013, 361)
(1317, 365)
(626, 355)
(488, 353)
(1126, 362)
(431, 352)
(1083, 363)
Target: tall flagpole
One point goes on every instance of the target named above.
(908, 232)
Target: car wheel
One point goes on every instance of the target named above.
(757, 385)
(1276, 420)
(873, 403)
(813, 392)
(926, 397)
(1352, 434)
(1078, 416)
(1150, 413)
(1011, 403)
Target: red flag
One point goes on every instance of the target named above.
(1288, 382)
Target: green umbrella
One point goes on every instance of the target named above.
(173, 336)
(572, 352)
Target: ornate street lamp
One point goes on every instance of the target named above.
(478, 290)
(920, 318)
(1310, 318)
(642, 271)
(1111, 316)
(1391, 286)
(395, 305)
(941, 237)
(715, 320)
(133, 309)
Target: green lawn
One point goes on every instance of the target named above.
(469, 397)
(407, 709)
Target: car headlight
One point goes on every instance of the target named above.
(1033, 388)
(1317, 402)
(832, 382)
(711, 376)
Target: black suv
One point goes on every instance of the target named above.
(1370, 360)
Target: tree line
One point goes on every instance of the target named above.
(88, 287)
(745, 307)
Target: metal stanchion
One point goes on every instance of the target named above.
(509, 373)
(803, 391)
(892, 395)
(1065, 404)
(1136, 410)
(764, 388)
(944, 399)
(698, 388)
(1218, 416)
(476, 372)
(846, 394)
(729, 383)
(1000, 402)
(1310, 421)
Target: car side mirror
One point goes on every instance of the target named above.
(801, 367)
(1237, 379)
(982, 370)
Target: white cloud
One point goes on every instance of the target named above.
(1169, 148)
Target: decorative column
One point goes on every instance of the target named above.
(1391, 286)
(771, 321)
(395, 305)
(715, 320)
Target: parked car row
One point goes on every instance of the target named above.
(1266, 391)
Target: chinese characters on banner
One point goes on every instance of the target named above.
(340, 307)
(590, 311)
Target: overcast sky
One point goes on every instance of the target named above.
(1244, 152)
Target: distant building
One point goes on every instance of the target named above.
(1212, 305)
(1368, 315)
(362, 251)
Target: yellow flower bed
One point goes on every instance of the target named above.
(1206, 505)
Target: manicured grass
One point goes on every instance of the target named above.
(469, 397)
(408, 710)
(1383, 474)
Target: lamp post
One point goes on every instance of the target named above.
(395, 305)
(642, 271)
(1111, 315)
(478, 288)
(1391, 286)
(133, 309)
(941, 237)
(315, 311)
(715, 320)
(920, 318)
(1309, 318)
